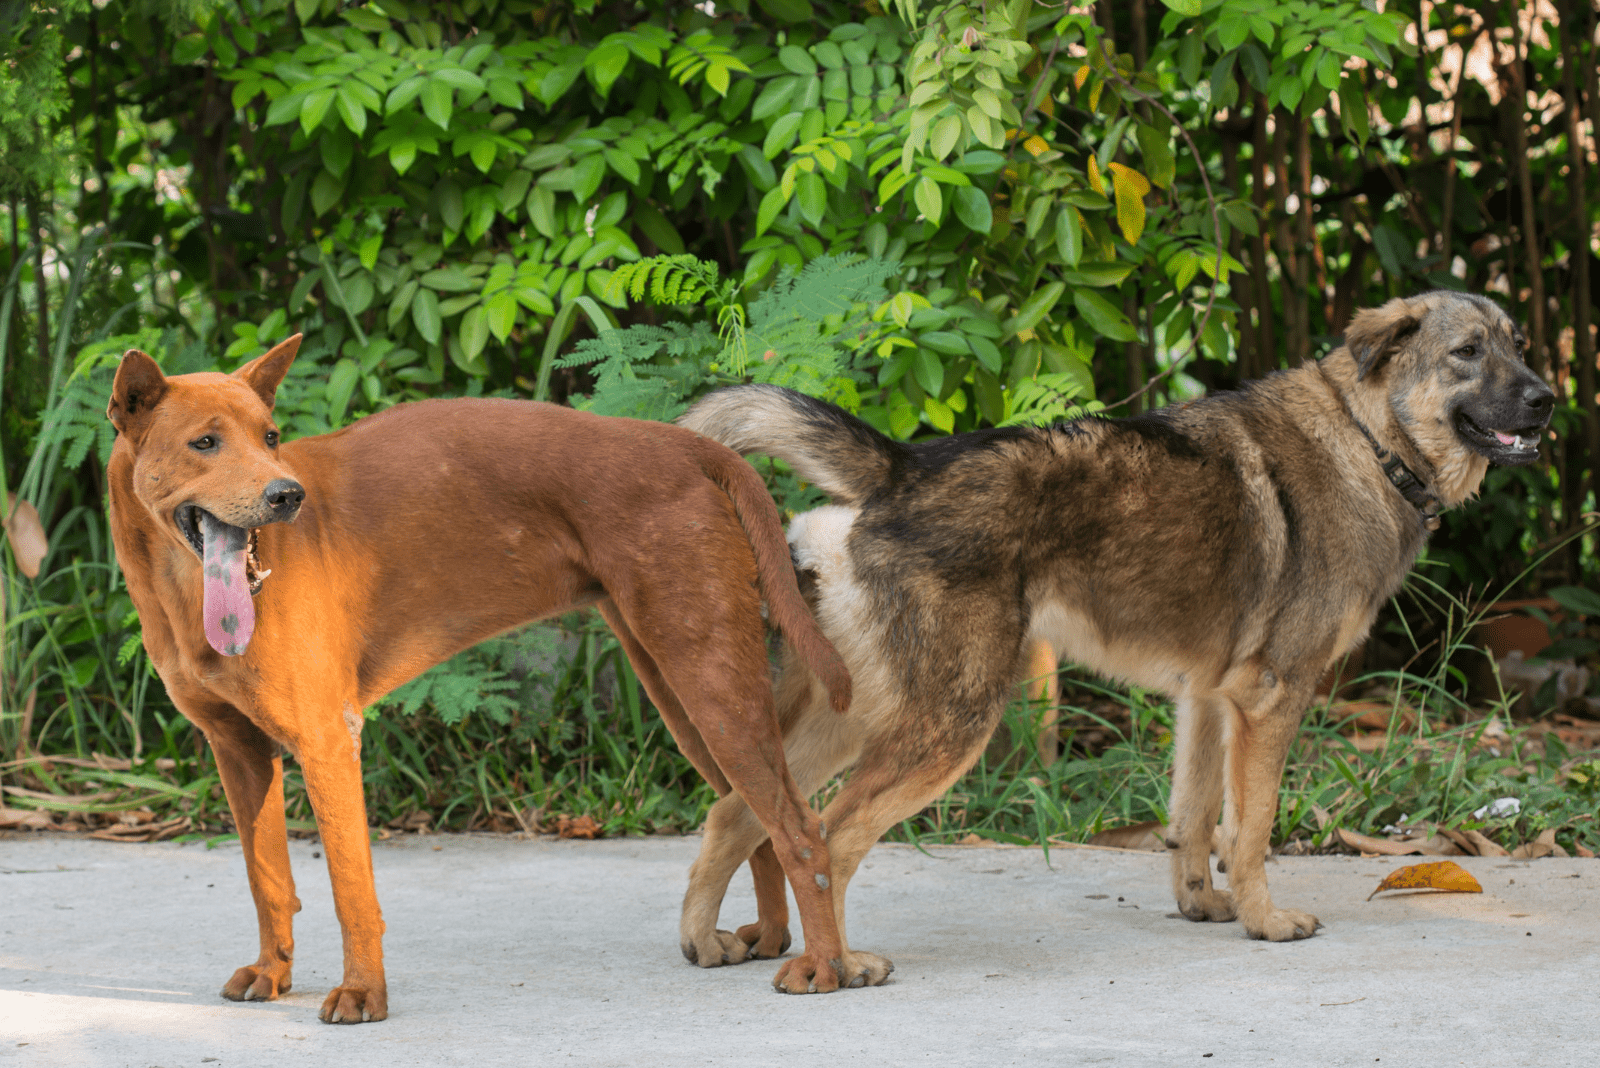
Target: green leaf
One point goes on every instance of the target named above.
(771, 204)
(368, 253)
(501, 311)
(929, 200)
(1106, 319)
(927, 369)
(623, 164)
(325, 193)
(474, 333)
(314, 108)
(1069, 235)
(425, 315)
(775, 97)
(1156, 148)
(483, 154)
(797, 60)
(606, 64)
(352, 112)
(587, 174)
(402, 154)
(341, 384)
(1577, 600)
(1037, 306)
(945, 134)
(1190, 8)
(782, 134)
(459, 78)
(972, 207)
(787, 10)
(945, 342)
(437, 102)
(812, 194)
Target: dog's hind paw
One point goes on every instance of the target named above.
(722, 947)
(866, 969)
(256, 982)
(765, 942)
(1283, 925)
(353, 1005)
(1214, 905)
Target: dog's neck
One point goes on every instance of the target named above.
(1417, 489)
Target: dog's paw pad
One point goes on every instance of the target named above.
(1285, 925)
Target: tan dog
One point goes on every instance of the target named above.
(406, 537)
(1224, 551)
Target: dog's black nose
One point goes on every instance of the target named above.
(1537, 396)
(284, 496)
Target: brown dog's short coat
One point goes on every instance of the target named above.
(415, 533)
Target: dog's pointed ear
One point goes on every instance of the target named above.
(139, 386)
(1375, 333)
(263, 373)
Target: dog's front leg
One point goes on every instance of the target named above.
(330, 760)
(1257, 747)
(252, 776)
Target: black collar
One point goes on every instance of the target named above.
(1412, 488)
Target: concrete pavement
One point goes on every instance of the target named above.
(519, 952)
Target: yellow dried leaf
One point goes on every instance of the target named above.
(1095, 181)
(1036, 145)
(1080, 76)
(1440, 875)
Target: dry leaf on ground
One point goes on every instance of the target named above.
(1135, 836)
(1440, 875)
(1542, 846)
(26, 534)
(582, 827)
(1486, 847)
(1436, 846)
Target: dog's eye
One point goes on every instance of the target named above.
(204, 444)
(272, 439)
(1466, 352)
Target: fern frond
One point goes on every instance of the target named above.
(672, 280)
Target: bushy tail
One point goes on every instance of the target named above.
(787, 609)
(825, 445)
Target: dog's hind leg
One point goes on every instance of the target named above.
(769, 935)
(252, 776)
(1257, 747)
(1197, 793)
(884, 788)
(818, 743)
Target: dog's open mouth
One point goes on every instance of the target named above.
(1518, 446)
(231, 575)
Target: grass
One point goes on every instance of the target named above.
(518, 732)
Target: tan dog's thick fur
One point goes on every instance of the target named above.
(424, 529)
(1224, 552)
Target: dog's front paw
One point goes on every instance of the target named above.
(258, 982)
(1282, 925)
(808, 974)
(715, 949)
(765, 940)
(353, 1005)
(1208, 904)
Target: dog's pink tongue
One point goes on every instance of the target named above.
(1505, 439)
(230, 617)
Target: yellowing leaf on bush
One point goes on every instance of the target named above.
(1130, 187)
(1095, 181)
(1440, 875)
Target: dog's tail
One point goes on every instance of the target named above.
(774, 569)
(827, 446)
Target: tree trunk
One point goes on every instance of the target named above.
(1583, 353)
(1266, 354)
(1515, 102)
(1240, 290)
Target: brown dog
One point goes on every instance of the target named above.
(406, 537)
(1225, 552)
